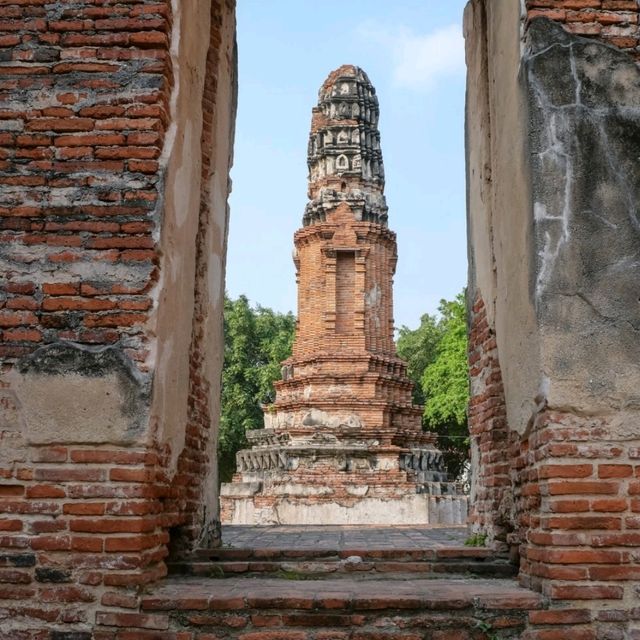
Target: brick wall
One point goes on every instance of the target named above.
(84, 90)
(563, 490)
(612, 21)
(491, 492)
(580, 543)
(86, 144)
(364, 292)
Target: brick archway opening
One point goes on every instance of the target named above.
(116, 144)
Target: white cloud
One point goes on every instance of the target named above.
(420, 60)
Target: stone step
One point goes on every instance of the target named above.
(224, 562)
(278, 609)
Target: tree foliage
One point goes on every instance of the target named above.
(437, 357)
(419, 347)
(256, 340)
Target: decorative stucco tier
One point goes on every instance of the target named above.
(343, 443)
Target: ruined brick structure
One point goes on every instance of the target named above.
(343, 443)
(553, 181)
(116, 129)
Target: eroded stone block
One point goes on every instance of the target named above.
(68, 393)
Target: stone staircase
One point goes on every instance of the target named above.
(339, 609)
(331, 584)
(354, 563)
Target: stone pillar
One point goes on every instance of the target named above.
(553, 123)
(115, 143)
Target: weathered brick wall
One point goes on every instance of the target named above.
(556, 460)
(96, 474)
(491, 497)
(580, 543)
(612, 21)
(196, 479)
(84, 90)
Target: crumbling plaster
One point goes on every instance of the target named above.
(498, 197)
(584, 110)
(180, 225)
(552, 128)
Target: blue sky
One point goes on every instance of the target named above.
(413, 52)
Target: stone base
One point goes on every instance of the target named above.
(416, 509)
(331, 476)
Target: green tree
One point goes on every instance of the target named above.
(436, 353)
(445, 384)
(256, 341)
(419, 347)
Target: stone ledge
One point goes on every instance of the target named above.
(266, 593)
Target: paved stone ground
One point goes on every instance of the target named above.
(297, 538)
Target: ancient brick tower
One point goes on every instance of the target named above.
(343, 443)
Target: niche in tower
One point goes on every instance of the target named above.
(345, 291)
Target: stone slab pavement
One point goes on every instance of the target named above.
(341, 537)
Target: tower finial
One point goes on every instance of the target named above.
(344, 154)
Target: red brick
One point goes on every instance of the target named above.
(273, 635)
(22, 335)
(60, 124)
(614, 573)
(66, 594)
(91, 544)
(87, 304)
(89, 140)
(84, 508)
(582, 488)
(560, 616)
(586, 592)
(148, 39)
(615, 471)
(566, 471)
(121, 124)
(113, 525)
(69, 474)
(121, 600)
(61, 288)
(622, 538)
(139, 620)
(610, 504)
(16, 318)
(11, 490)
(143, 166)
(128, 24)
(124, 242)
(569, 506)
(131, 475)
(22, 302)
(51, 543)
(45, 491)
(577, 633)
(102, 111)
(21, 287)
(10, 525)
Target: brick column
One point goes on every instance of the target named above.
(552, 159)
(110, 320)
